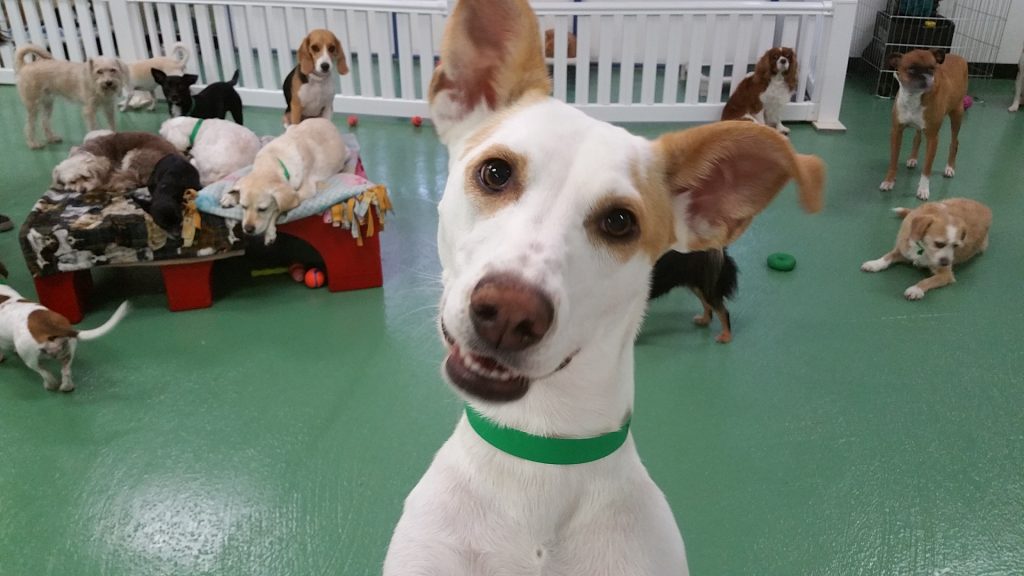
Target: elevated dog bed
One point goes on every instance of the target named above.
(66, 235)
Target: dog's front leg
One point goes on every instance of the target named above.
(932, 143)
(270, 236)
(895, 256)
(895, 143)
(66, 383)
(89, 116)
(30, 126)
(914, 148)
(943, 277)
(108, 110)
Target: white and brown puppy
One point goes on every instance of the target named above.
(541, 474)
(141, 76)
(111, 162)
(1018, 87)
(95, 84)
(310, 87)
(216, 147)
(937, 235)
(933, 85)
(36, 332)
(286, 172)
(762, 95)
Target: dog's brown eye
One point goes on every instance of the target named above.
(619, 223)
(940, 245)
(495, 174)
(315, 48)
(331, 48)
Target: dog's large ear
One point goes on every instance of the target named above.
(491, 56)
(285, 198)
(940, 55)
(919, 226)
(190, 79)
(125, 72)
(721, 175)
(159, 76)
(892, 61)
(305, 57)
(341, 63)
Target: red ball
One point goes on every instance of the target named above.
(353, 120)
(297, 272)
(968, 101)
(417, 121)
(315, 278)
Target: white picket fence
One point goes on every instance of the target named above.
(637, 60)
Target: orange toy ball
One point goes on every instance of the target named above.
(315, 278)
(417, 121)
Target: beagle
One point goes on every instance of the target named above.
(309, 88)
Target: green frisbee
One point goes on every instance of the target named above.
(781, 261)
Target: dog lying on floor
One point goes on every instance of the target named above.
(95, 84)
(548, 230)
(710, 274)
(937, 235)
(217, 147)
(36, 332)
(111, 163)
(286, 172)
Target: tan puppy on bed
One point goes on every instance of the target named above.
(286, 172)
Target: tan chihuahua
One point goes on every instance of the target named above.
(932, 86)
(937, 235)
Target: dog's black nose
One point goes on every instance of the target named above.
(508, 313)
(248, 228)
(943, 261)
(324, 66)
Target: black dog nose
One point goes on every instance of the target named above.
(508, 313)
(325, 66)
(248, 228)
(943, 261)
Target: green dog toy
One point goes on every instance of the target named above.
(781, 261)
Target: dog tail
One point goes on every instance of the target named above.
(234, 79)
(37, 51)
(180, 52)
(901, 212)
(109, 325)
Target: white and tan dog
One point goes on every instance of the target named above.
(140, 74)
(216, 147)
(36, 332)
(286, 172)
(937, 235)
(542, 205)
(95, 84)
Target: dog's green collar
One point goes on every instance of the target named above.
(195, 132)
(287, 174)
(542, 449)
(920, 247)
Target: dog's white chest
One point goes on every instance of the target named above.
(909, 110)
(316, 95)
(777, 94)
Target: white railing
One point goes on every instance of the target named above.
(637, 60)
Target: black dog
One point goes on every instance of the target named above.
(171, 177)
(712, 275)
(215, 101)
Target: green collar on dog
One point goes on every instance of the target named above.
(920, 247)
(287, 175)
(542, 449)
(195, 132)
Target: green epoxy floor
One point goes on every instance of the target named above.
(845, 431)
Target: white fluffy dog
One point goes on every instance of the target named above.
(95, 84)
(217, 148)
(141, 76)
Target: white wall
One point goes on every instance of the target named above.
(1013, 38)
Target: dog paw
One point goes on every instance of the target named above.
(923, 193)
(229, 200)
(67, 386)
(724, 338)
(269, 237)
(887, 185)
(34, 145)
(911, 163)
(783, 130)
(54, 139)
(874, 265)
(50, 383)
(948, 172)
(1014, 107)
(701, 320)
(913, 293)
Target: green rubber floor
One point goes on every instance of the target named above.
(845, 431)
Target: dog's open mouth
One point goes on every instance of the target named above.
(485, 377)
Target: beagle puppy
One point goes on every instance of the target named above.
(309, 88)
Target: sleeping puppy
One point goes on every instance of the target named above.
(711, 274)
(309, 88)
(35, 332)
(937, 235)
(171, 177)
(214, 101)
(216, 147)
(111, 163)
(286, 172)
